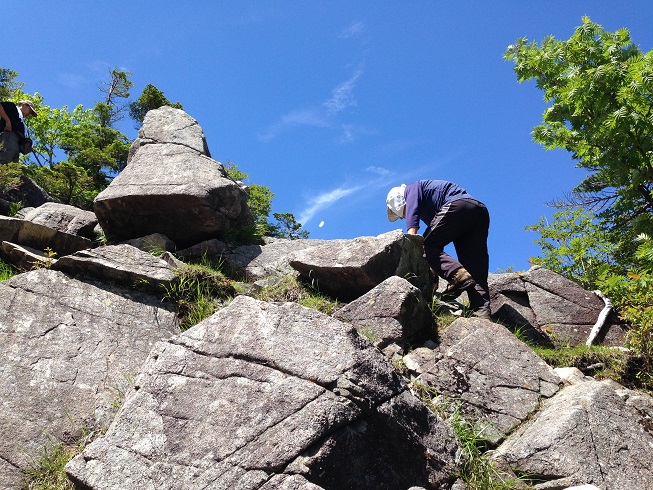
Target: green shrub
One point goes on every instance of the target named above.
(7, 271)
(199, 291)
(474, 467)
(291, 290)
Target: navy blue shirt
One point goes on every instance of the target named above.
(425, 198)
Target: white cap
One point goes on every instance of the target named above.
(396, 203)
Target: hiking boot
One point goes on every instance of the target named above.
(460, 281)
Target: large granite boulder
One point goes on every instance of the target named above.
(68, 349)
(261, 394)
(171, 186)
(586, 434)
(65, 218)
(499, 378)
(347, 269)
(549, 308)
(395, 311)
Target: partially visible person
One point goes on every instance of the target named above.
(451, 215)
(12, 124)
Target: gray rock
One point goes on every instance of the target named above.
(394, 311)
(259, 391)
(156, 242)
(499, 378)
(28, 193)
(67, 349)
(584, 435)
(171, 186)
(39, 237)
(549, 309)
(122, 264)
(25, 258)
(350, 268)
(65, 218)
(252, 262)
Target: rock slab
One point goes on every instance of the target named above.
(68, 348)
(586, 434)
(263, 392)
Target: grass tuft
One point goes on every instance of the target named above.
(474, 467)
(291, 290)
(199, 291)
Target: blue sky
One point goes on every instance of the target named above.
(331, 103)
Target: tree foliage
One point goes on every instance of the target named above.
(151, 98)
(599, 90)
(260, 204)
(8, 84)
(574, 245)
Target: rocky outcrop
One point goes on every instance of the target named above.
(64, 218)
(586, 434)
(499, 379)
(171, 186)
(40, 237)
(394, 311)
(68, 350)
(348, 269)
(261, 391)
(252, 262)
(275, 395)
(122, 264)
(549, 308)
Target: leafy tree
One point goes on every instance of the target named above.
(111, 109)
(599, 90)
(151, 98)
(77, 152)
(260, 204)
(8, 84)
(574, 245)
(288, 227)
(599, 87)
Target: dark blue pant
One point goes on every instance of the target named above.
(465, 223)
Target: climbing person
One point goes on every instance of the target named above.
(451, 215)
(12, 127)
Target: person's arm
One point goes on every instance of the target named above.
(4, 116)
(411, 211)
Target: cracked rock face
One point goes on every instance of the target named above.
(586, 434)
(171, 186)
(499, 377)
(265, 395)
(68, 350)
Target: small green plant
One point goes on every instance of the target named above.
(291, 290)
(601, 362)
(199, 291)
(474, 467)
(46, 263)
(367, 332)
(7, 271)
(47, 472)
(14, 207)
